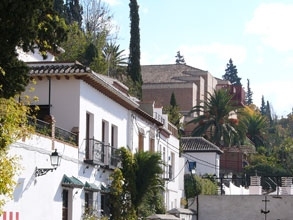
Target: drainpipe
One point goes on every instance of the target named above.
(49, 95)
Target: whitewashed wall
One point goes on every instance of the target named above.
(206, 162)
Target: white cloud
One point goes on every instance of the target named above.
(214, 56)
(273, 23)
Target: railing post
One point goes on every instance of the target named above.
(50, 119)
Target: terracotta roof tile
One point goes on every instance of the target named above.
(198, 144)
(168, 73)
(52, 68)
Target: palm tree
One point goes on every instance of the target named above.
(115, 59)
(142, 182)
(254, 126)
(215, 119)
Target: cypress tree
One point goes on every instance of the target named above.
(134, 68)
(248, 94)
(263, 106)
(231, 74)
(179, 58)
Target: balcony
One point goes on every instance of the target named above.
(50, 130)
(99, 153)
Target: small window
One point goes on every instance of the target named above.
(152, 145)
(140, 141)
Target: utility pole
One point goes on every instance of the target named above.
(266, 211)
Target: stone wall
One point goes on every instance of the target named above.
(238, 207)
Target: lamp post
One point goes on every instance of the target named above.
(55, 159)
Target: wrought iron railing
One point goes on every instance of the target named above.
(100, 153)
(40, 126)
(65, 135)
(45, 128)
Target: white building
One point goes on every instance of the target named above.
(203, 157)
(100, 117)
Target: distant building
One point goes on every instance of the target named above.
(189, 85)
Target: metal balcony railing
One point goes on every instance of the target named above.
(66, 136)
(99, 153)
(46, 128)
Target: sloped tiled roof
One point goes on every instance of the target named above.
(168, 73)
(198, 144)
(106, 85)
(53, 68)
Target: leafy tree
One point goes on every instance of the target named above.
(213, 118)
(60, 8)
(249, 94)
(134, 68)
(39, 28)
(284, 155)
(75, 46)
(73, 12)
(265, 165)
(13, 120)
(231, 74)
(179, 58)
(195, 185)
(173, 111)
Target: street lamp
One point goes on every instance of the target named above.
(55, 159)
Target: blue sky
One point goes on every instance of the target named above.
(256, 34)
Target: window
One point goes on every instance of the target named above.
(89, 133)
(105, 132)
(105, 140)
(105, 204)
(114, 136)
(152, 145)
(66, 204)
(140, 141)
(152, 140)
(172, 166)
(88, 202)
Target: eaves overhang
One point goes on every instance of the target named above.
(78, 71)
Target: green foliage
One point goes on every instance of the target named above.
(249, 94)
(13, 121)
(263, 106)
(231, 74)
(135, 188)
(173, 111)
(13, 126)
(115, 60)
(71, 11)
(195, 185)
(253, 125)
(9, 167)
(74, 46)
(39, 27)
(134, 68)
(179, 58)
(213, 120)
(284, 155)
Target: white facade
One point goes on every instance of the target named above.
(202, 156)
(206, 163)
(104, 118)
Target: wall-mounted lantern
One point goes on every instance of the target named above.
(55, 159)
